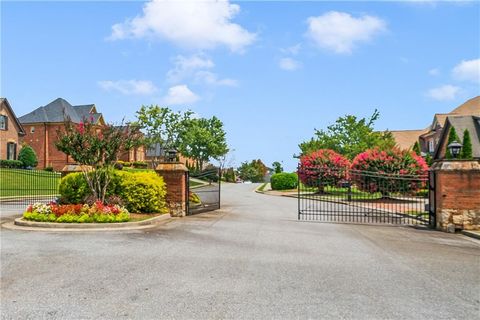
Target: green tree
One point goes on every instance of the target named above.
(162, 127)
(349, 136)
(467, 152)
(28, 156)
(254, 171)
(203, 139)
(416, 148)
(277, 166)
(452, 136)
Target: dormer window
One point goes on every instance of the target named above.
(3, 122)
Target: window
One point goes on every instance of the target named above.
(32, 129)
(3, 122)
(11, 151)
(431, 146)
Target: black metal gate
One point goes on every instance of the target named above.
(22, 187)
(363, 197)
(203, 191)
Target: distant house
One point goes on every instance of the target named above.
(41, 127)
(460, 123)
(156, 154)
(429, 137)
(133, 155)
(11, 131)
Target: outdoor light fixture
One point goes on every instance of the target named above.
(454, 148)
(172, 155)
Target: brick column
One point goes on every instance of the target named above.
(457, 194)
(174, 175)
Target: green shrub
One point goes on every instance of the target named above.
(28, 157)
(49, 169)
(73, 188)
(139, 164)
(284, 181)
(13, 164)
(142, 191)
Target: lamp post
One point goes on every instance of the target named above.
(454, 148)
(172, 155)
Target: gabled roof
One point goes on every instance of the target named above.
(470, 107)
(10, 109)
(405, 139)
(58, 109)
(461, 123)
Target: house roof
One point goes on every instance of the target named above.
(470, 107)
(405, 139)
(10, 109)
(58, 109)
(461, 123)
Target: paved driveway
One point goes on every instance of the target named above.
(251, 260)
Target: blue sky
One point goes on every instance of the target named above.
(272, 71)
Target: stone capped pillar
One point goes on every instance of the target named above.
(175, 176)
(71, 168)
(457, 194)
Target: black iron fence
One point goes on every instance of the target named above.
(21, 187)
(203, 191)
(363, 197)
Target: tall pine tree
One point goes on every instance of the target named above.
(467, 152)
(452, 136)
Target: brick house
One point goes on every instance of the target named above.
(135, 154)
(11, 132)
(429, 137)
(41, 127)
(460, 123)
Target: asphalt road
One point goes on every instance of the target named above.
(252, 259)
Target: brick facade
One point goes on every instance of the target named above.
(13, 132)
(457, 195)
(42, 137)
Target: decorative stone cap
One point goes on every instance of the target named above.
(171, 166)
(460, 165)
(76, 168)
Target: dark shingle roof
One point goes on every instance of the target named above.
(460, 123)
(57, 110)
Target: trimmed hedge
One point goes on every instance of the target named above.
(284, 181)
(12, 164)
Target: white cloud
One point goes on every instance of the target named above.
(180, 94)
(293, 50)
(186, 66)
(289, 64)
(140, 87)
(468, 70)
(197, 67)
(434, 72)
(210, 78)
(192, 24)
(444, 93)
(340, 32)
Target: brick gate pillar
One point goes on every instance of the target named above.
(174, 175)
(457, 194)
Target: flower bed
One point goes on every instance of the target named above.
(76, 213)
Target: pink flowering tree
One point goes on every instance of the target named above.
(322, 168)
(96, 147)
(389, 171)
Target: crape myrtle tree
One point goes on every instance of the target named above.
(98, 147)
(162, 127)
(323, 168)
(349, 136)
(388, 171)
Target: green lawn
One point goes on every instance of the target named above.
(340, 193)
(19, 182)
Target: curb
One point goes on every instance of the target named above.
(471, 234)
(92, 226)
